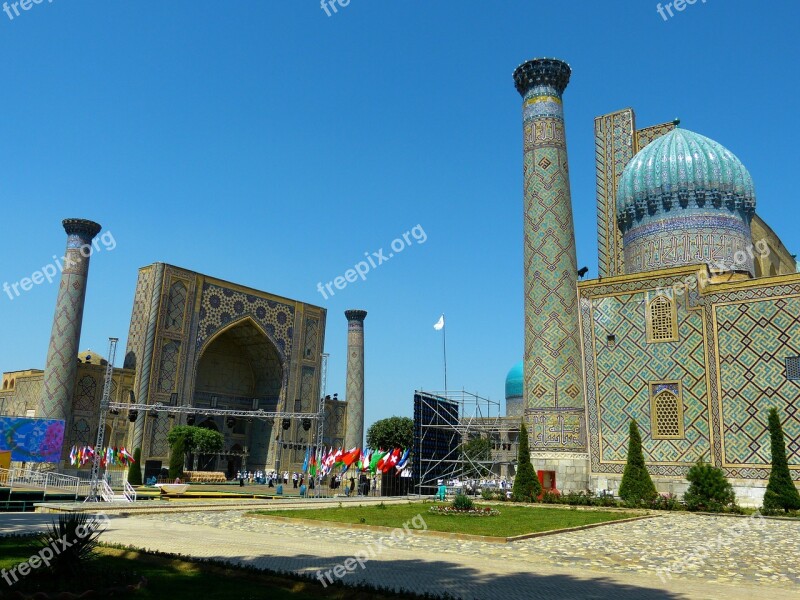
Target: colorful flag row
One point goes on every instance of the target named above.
(325, 460)
(112, 457)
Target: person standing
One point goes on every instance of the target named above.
(294, 480)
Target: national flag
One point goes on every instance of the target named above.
(401, 464)
(312, 467)
(439, 324)
(376, 458)
(305, 462)
(363, 461)
(391, 460)
(350, 457)
(72, 456)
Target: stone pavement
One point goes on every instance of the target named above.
(709, 557)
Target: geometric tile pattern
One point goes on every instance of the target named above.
(176, 307)
(614, 139)
(552, 365)
(311, 338)
(725, 382)
(61, 366)
(754, 339)
(354, 392)
(621, 377)
(652, 133)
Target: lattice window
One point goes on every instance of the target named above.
(85, 393)
(169, 366)
(662, 322)
(666, 412)
(793, 368)
(80, 432)
(173, 318)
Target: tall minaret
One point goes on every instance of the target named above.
(553, 384)
(62, 354)
(354, 392)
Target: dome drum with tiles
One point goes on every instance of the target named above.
(685, 199)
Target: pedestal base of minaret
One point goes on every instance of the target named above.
(569, 469)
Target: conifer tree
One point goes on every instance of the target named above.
(637, 487)
(526, 485)
(781, 492)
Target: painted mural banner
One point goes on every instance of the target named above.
(32, 440)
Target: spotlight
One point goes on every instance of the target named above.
(230, 422)
(306, 424)
(133, 415)
(190, 419)
(114, 411)
(287, 423)
(583, 271)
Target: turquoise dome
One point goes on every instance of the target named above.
(685, 169)
(514, 381)
(685, 200)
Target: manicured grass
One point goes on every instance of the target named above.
(512, 520)
(171, 578)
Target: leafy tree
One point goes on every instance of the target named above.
(781, 492)
(197, 440)
(394, 432)
(708, 489)
(637, 487)
(135, 470)
(475, 452)
(526, 485)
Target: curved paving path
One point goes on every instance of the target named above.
(675, 556)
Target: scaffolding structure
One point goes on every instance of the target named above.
(443, 422)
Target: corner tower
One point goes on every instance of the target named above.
(553, 383)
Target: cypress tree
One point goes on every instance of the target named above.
(637, 486)
(135, 470)
(177, 456)
(526, 485)
(781, 492)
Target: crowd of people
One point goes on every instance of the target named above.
(273, 478)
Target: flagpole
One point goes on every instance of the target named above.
(444, 350)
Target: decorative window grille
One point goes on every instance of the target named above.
(666, 411)
(662, 325)
(793, 368)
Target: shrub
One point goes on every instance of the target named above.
(177, 457)
(637, 487)
(781, 492)
(667, 502)
(462, 502)
(708, 489)
(487, 494)
(526, 485)
(135, 470)
(80, 531)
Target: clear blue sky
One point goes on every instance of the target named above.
(271, 145)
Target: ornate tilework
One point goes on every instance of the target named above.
(649, 134)
(614, 148)
(552, 370)
(354, 435)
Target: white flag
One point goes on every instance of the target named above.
(439, 324)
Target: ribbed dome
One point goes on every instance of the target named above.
(683, 169)
(514, 386)
(514, 381)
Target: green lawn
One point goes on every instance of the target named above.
(512, 520)
(169, 578)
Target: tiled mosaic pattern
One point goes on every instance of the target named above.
(552, 356)
(354, 435)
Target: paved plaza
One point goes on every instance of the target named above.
(709, 557)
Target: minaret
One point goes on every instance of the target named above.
(62, 354)
(354, 393)
(553, 384)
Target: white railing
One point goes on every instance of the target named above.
(106, 493)
(130, 493)
(40, 480)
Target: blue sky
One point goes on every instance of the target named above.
(271, 145)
